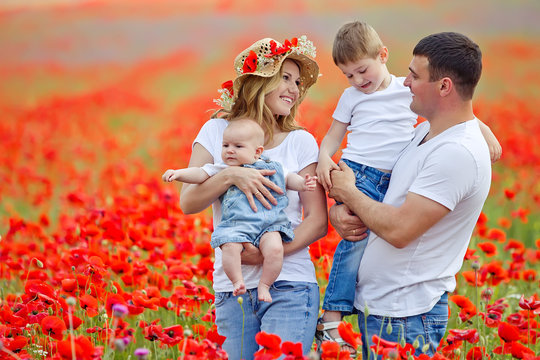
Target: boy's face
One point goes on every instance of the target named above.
(367, 75)
(239, 146)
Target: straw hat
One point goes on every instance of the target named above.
(264, 58)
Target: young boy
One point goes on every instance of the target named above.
(375, 109)
(243, 141)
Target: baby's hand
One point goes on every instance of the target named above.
(169, 175)
(310, 182)
(324, 167)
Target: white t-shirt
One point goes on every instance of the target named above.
(453, 169)
(381, 124)
(298, 150)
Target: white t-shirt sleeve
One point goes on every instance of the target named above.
(213, 169)
(306, 148)
(343, 112)
(447, 176)
(210, 136)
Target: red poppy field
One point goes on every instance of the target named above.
(97, 261)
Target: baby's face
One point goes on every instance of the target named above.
(239, 147)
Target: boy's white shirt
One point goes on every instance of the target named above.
(381, 124)
(298, 150)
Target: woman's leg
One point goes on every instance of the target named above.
(238, 327)
(293, 312)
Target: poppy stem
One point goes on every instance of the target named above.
(71, 339)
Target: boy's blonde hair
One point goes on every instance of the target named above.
(250, 104)
(354, 41)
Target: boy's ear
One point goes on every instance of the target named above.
(383, 54)
(258, 152)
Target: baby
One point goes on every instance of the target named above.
(243, 141)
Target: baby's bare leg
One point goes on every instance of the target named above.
(271, 247)
(232, 266)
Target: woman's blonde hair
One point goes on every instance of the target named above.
(250, 103)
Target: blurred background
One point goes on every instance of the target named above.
(97, 95)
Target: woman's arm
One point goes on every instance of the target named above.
(195, 198)
(315, 223)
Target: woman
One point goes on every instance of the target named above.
(272, 80)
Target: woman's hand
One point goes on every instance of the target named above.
(251, 255)
(254, 182)
(346, 223)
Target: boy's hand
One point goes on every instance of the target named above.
(310, 183)
(324, 167)
(169, 175)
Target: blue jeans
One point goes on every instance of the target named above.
(339, 294)
(292, 315)
(427, 328)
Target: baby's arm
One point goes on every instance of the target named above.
(295, 182)
(191, 175)
(329, 146)
(495, 149)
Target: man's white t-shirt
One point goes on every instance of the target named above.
(381, 124)
(453, 169)
(298, 150)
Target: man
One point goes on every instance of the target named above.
(420, 232)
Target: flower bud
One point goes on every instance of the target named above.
(425, 348)
(416, 344)
(389, 328)
(475, 265)
(71, 301)
(240, 300)
(39, 264)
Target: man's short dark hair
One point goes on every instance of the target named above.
(455, 56)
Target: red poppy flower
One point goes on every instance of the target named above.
(332, 351)
(270, 344)
(84, 349)
(477, 353)
(53, 327)
(214, 336)
(488, 248)
(250, 64)
(228, 85)
(293, 351)
(346, 332)
(470, 335)
(507, 332)
(497, 235)
(76, 321)
(529, 304)
(90, 304)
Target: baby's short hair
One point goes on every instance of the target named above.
(251, 125)
(354, 41)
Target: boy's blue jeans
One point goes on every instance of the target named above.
(339, 294)
(427, 328)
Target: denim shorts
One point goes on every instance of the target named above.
(339, 294)
(239, 223)
(427, 328)
(292, 315)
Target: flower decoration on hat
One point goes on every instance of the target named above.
(264, 58)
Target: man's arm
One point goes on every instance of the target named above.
(399, 226)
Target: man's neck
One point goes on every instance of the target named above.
(448, 117)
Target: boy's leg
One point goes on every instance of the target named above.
(232, 266)
(271, 247)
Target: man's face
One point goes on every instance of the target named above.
(425, 92)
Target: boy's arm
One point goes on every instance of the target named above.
(296, 182)
(495, 149)
(191, 175)
(329, 146)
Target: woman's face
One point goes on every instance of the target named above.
(281, 100)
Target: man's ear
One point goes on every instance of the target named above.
(445, 86)
(258, 152)
(383, 54)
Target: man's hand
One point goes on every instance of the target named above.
(251, 255)
(343, 183)
(346, 223)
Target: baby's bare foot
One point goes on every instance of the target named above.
(239, 288)
(264, 293)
